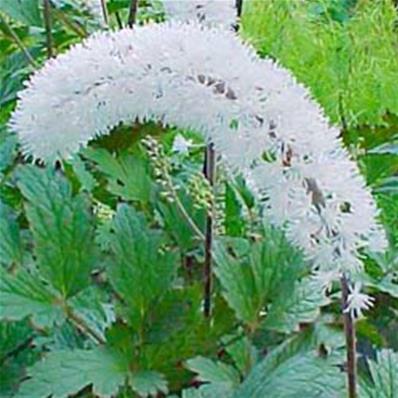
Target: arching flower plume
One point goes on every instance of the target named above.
(262, 122)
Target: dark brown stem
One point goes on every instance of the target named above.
(105, 12)
(349, 329)
(119, 20)
(239, 7)
(209, 171)
(132, 13)
(48, 27)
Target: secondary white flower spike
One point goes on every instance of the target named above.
(357, 301)
(209, 12)
(262, 122)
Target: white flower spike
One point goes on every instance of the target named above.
(263, 123)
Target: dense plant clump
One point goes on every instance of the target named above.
(173, 152)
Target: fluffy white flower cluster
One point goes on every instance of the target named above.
(262, 122)
(209, 12)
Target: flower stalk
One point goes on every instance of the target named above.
(349, 330)
(132, 13)
(209, 171)
(48, 26)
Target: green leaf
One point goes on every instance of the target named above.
(302, 375)
(26, 295)
(388, 148)
(148, 383)
(384, 372)
(86, 179)
(63, 373)
(213, 372)
(250, 281)
(208, 391)
(62, 229)
(302, 305)
(128, 175)
(16, 352)
(25, 11)
(141, 272)
(242, 352)
(8, 150)
(234, 222)
(11, 251)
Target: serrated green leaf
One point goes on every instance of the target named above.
(64, 373)
(8, 150)
(16, 352)
(384, 374)
(302, 305)
(388, 148)
(62, 230)
(242, 352)
(234, 222)
(128, 175)
(86, 179)
(11, 251)
(303, 375)
(25, 11)
(208, 391)
(268, 270)
(141, 272)
(148, 383)
(26, 295)
(213, 372)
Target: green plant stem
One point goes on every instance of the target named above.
(132, 13)
(82, 325)
(48, 26)
(18, 42)
(180, 207)
(75, 27)
(349, 330)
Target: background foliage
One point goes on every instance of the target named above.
(101, 277)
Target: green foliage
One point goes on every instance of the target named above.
(301, 305)
(214, 372)
(63, 373)
(303, 375)
(128, 175)
(11, 251)
(258, 273)
(142, 271)
(383, 371)
(349, 62)
(27, 295)
(58, 217)
(24, 11)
